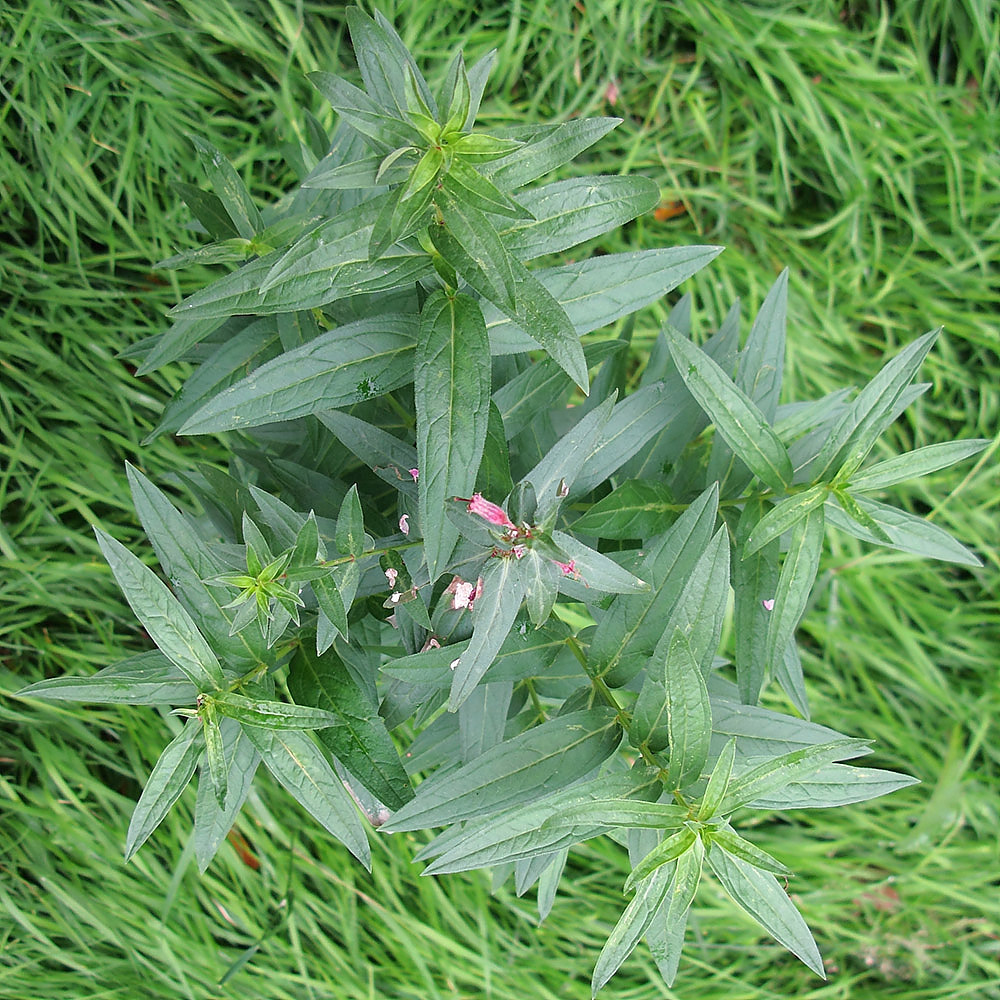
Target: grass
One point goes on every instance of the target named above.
(857, 146)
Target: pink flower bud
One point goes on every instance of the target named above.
(404, 524)
(568, 569)
(490, 511)
(390, 575)
(768, 604)
(415, 473)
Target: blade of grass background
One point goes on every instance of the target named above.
(883, 199)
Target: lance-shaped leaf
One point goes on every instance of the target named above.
(755, 578)
(212, 823)
(632, 924)
(540, 580)
(207, 209)
(734, 414)
(229, 189)
(728, 839)
(470, 244)
(269, 714)
(596, 292)
(871, 412)
(361, 741)
(718, 782)
(556, 472)
(388, 457)
(215, 753)
(546, 148)
(569, 212)
(385, 131)
(167, 780)
(527, 831)
(162, 615)
(798, 572)
(536, 762)
(246, 351)
(299, 764)
(673, 710)
(541, 386)
(761, 895)
(593, 569)
(779, 772)
(451, 392)
(383, 60)
(829, 785)
(914, 464)
(630, 630)
(188, 561)
(360, 361)
(495, 611)
(482, 718)
(905, 531)
(144, 679)
(350, 536)
(783, 516)
(636, 509)
(466, 184)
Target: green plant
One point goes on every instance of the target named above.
(382, 352)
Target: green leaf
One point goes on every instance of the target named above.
(595, 570)
(673, 711)
(351, 364)
(494, 479)
(763, 358)
(361, 741)
(829, 785)
(385, 131)
(620, 812)
(229, 189)
(295, 760)
(636, 509)
(207, 209)
(451, 394)
(632, 924)
(783, 516)
(755, 579)
(144, 679)
(906, 532)
(252, 347)
(630, 630)
(163, 617)
(529, 831)
(596, 292)
(382, 59)
(718, 782)
(520, 769)
(212, 823)
(766, 901)
(859, 428)
(916, 463)
(735, 416)
(388, 457)
(557, 471)
(495, 611)
(188, 561)
(465, 184)
(215, 752)
(732, 843)
(272, 714)
(469, 242)
(547, 148)
(779, 772)
(858, 514)
(167, 780)
(798, 572)
(350, 536)
(569, 212)
(541, 386)
(540, 581)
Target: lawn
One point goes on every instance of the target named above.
(856, 145)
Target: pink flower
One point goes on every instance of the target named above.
(404, 524)
(464, 594)
(390, 575)
(431, 643)
(490, 511)
(568, 569)
(518, 551)
(415, 473)
(768, 604)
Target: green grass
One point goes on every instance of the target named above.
(857, 147)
